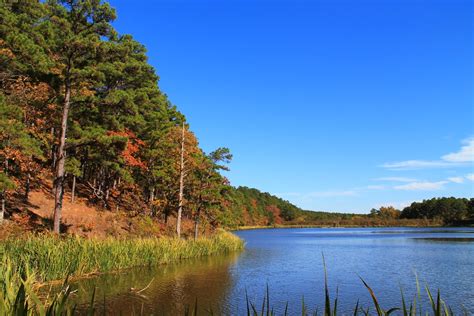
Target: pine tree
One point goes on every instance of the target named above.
(75, 32)
(16, 148)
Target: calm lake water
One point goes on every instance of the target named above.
(290, 262)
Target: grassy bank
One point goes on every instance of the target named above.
(34, 259)
(51, 258)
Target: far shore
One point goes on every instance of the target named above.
(240, 228)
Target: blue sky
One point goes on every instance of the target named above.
(333, 105)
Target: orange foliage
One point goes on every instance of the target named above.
(254, 203)
(34, 100)
(246, 217)
(131, 149)
(6, 51)
(276, 214)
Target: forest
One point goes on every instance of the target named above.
(81, 108)
(82, 116)
(449, 210)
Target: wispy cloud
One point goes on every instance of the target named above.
(456, 179)
(470, 176)
(418, 164)
(463, 156)
(395, 179)
(376, 187)
(422, 186)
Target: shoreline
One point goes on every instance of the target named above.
(242, 228)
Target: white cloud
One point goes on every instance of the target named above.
(422, 186)
(470, 176)
(456, 179)
(464, 156)
(376, 187)
(396, 179)
(418, 164)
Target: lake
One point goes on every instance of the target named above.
(290, 262)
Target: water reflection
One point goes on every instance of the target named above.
(448, 239)
(173, 288)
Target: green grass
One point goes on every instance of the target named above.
(27, 262)
(53, 258)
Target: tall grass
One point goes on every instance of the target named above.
(28, 261)
(52, 258)
(18, 297)
(437, 306)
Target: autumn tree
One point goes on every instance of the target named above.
(207, 185)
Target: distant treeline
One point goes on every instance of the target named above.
(251, 207)
(248, 206)
(449, 210)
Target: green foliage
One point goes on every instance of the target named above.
(388, 212)
(449, 210)
(120, 128)
(13, 133)
(18, 295)
(5, 182)
(247, 206)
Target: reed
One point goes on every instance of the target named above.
(438, 306)
(49, 258)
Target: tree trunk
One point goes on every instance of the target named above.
(196, 227)
(3, 193)
(53, 152)
(61, 159)
(2, 211)
(73, 190)
(152, 199)
(181, 187)
(106, 199)
(152, 195)
(27, 186)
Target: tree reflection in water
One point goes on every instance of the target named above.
(173, 288)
